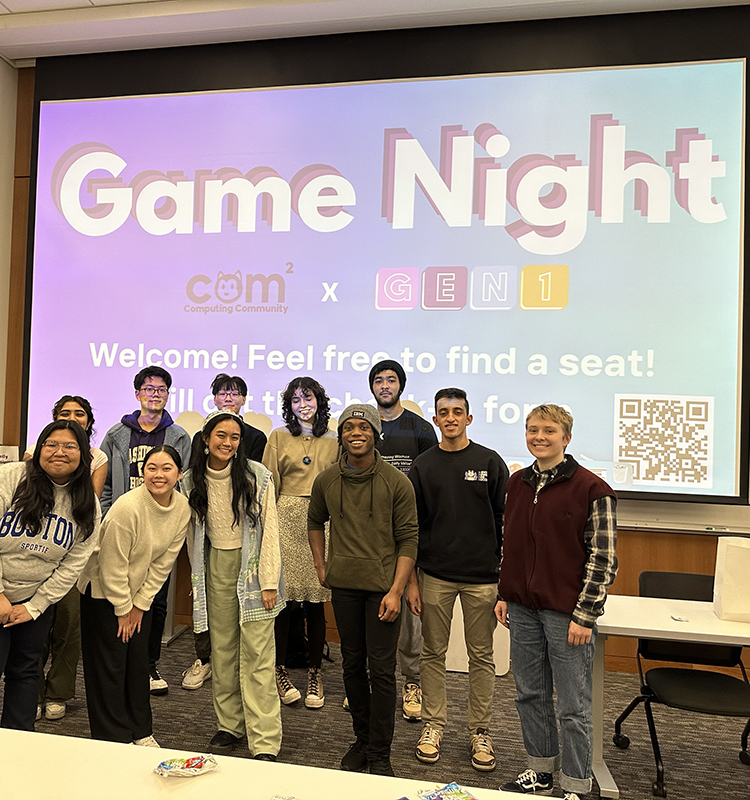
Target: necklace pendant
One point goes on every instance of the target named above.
(307, 460)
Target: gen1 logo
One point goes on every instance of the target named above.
(228, 287)
(536, 286)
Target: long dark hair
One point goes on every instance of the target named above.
(83, 403)
(34, 497)
(244, 487)
(322, 415)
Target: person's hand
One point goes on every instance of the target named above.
(501, 612)
(135, 617)
(390, 607)
(18, 614)
(123, 627)
(5, 607)
(321, 570)
(268, 596)
(413, 598)
(578, 635)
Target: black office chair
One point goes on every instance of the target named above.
(702, 691)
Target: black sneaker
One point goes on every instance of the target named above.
(223, 743)
(157, 684)
(381, 766)
(530, 782)
(264, 757)
(355, 759)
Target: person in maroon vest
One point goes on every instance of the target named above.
(559, 538)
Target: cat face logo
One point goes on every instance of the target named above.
(228, 287)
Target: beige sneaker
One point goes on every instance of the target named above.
(411, 706)
(53, 710)
(482, 751)
(288, 692)
(314, 697)
(147, 741)
(428, 746)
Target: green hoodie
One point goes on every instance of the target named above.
(373, 517)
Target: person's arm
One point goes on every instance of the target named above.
(160, 567)
(390, 605)
(317, 516)
(106, 496)
(98, 476)
(65, 574)
(184, 446)
(427, 437)
(600, 536)
(413, 596)
(270, 459)
(269, 567)
(119, 538)
(501, 612)
(497, 498)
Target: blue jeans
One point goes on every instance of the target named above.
(541, 655)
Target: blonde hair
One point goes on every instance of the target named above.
(555, 414)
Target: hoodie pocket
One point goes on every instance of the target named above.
(349, 572)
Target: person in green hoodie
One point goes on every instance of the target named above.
(371, 553)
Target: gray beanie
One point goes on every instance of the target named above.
(361, 411)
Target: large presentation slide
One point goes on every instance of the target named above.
(572, 237)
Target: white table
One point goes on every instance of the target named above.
(40, 765)
(652, 618)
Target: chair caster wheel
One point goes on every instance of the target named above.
(745, 757)
(621, 741)
(659, 790)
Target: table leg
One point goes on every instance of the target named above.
(607, 785)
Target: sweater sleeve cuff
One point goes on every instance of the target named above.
(33, 610)
(121, 611)
(584, 619)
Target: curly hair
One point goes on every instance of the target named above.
(244, 487)
(322, 415)
(34, 497)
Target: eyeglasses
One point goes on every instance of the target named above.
(228, 395)
(68, 447)
(162, 391)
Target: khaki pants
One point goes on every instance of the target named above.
(477, 604)
(242, 660)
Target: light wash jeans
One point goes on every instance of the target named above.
(541, 655)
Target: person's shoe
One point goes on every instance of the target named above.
(411, 706)
(345, 704)
(381, 766)
(570, 796)
(147, 741)
(314, 698)
(428, 746)
(197, 675)
(222, 743)
(38, 714)
(288, 692)
(54, 710)
(482, 751)
(355, 759)
(157, 684)
(530, 782)
(264, 757)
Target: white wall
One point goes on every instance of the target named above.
(8, 90)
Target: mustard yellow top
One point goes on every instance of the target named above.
(284, 457)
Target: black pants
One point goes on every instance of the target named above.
(158, 618)
(367, 644)
(315, 619)
(116, 674)
(21, 647)
(202, 643)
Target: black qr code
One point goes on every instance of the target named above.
(667, 439)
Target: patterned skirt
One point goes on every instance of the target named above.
(296, 557)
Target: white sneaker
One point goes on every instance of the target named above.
(157, 684)
(288, 692)
(38, 714)
(197, 675)
(314, 697)
(147, 741)
(54, 710)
